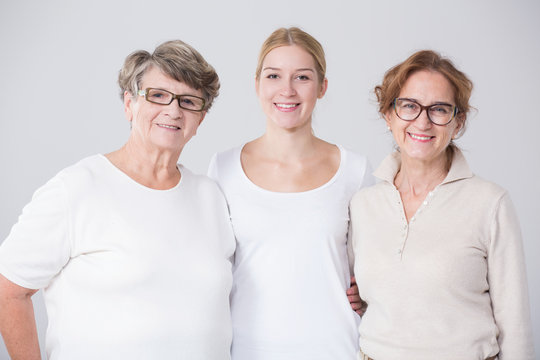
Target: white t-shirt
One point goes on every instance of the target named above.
(291, 266)
(129, 272)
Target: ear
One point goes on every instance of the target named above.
(460, 121)
(386, 117)
(128, 102)
(324, 87)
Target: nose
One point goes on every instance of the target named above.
(288, 88)
(422, 121)
(174, 110)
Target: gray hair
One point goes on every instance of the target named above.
(176, 59)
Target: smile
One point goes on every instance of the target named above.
(420, 137)
(286, 106)
(168, 126)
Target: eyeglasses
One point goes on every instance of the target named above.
(164, 97)
(439, 114)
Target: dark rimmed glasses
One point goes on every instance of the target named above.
(164, 97)
(438, 113)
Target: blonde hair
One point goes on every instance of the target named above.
(176, 59)
(294, 36)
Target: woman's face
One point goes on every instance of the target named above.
(161, 127)
(420, 139)
(289, 87)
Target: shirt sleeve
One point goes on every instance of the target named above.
(508, 285)
(38, 247)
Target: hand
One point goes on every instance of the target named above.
(357, 304)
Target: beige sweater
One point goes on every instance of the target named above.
(451, 283)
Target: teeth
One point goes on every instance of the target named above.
(420, 137)
(169, 126)
(286, 106)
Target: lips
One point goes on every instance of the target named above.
(172, 127)
(420, 137)
(286, 106)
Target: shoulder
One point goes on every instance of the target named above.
(224, 164)
(78, 174)
(356, 167)
(371, 193)
(479, 189)
(224, 158)
(198, 184)
(353, 160)
(86, 168)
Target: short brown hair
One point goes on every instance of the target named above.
(294, 36)
(395, 78)
(176, 59)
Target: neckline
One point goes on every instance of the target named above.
(146, 188)
(342, 160)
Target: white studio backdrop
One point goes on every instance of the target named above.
(59, 100)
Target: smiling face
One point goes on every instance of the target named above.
(420, 139)
(161, 127)
(288, 87)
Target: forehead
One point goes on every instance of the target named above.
(155, 78)
(289, 56)
(428, 86)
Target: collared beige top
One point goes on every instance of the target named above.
(448, 284)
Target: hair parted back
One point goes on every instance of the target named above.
(176, 59)
(298, 37)
(395, 78)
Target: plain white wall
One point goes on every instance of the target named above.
(59, 99)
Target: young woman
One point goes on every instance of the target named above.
(288, 194)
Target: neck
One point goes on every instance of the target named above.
(288, 144)
(151, 167)
(418, 177)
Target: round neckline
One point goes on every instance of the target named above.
(342, 159)
(132, 181)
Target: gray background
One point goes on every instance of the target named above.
(59, 99)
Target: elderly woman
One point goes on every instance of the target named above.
(132, 249)
(288, 192)
(439, 256)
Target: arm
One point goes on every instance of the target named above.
(508, 285)
(17, 323)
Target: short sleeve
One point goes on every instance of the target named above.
(38, 247)
(508, 284)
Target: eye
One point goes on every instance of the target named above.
(303, 77)
(408, 105)
(272, 76)
(187, 101)
(157, 94)
(441, 109)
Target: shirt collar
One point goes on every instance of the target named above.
(391, 164)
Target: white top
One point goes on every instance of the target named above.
(129, 272)
(451, 283)
(291, 267)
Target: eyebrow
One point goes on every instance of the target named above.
(435, 103)
(275, 69)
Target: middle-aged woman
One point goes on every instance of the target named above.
(288, 194)
(133, 250)
(439, 255)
